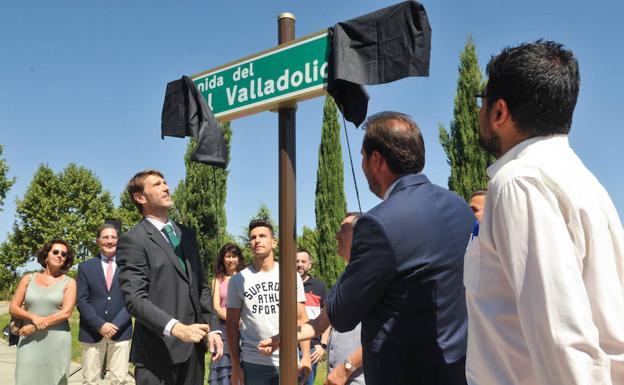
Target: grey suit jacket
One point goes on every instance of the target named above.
(157, 289)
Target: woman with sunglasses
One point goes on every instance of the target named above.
(229, 262)
(44, 301)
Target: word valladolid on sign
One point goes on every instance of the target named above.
(276, 77)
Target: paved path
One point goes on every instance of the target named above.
(7, 361)
(4, 307)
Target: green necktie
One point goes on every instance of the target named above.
(175, 243)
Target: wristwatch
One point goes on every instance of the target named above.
(348, 366)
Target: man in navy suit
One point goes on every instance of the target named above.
(404, 279)
(105, 327)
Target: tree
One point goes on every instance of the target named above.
(308, 240)
(5, 182)
(200, 203)
(11, 258)
(467, 160)
(330, 203)
(127, 212)
(70, 205)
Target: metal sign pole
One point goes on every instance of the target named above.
(287, 224)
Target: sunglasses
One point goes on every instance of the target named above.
(57, 251)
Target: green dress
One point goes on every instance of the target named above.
(44, 357)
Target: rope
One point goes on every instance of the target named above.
(357, 193)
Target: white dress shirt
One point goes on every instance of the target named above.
(545, 277)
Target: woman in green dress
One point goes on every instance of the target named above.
(44, 301)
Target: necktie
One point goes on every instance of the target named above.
(109, 273)
(175, 243)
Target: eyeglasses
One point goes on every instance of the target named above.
(57, 251)
(479, 96)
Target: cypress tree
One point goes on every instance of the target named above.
(330, 203)
(467, 159)
(200, 203)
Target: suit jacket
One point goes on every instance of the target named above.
(97, 305)
(157, 289)
(404, 283)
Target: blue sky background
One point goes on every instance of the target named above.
(84, 81)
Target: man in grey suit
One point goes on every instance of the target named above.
(165, 289)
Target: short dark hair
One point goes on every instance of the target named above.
(539, 82)
(261, 223)
(311, 258)
(229, 248)
(137, 185)
(105, 226)
(42, 254)
(398, 139)
(477, 193)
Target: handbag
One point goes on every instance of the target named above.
(15, 325)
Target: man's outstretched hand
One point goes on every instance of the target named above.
(269, 345)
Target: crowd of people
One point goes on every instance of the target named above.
(523, 284)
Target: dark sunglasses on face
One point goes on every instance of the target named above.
(57, 251)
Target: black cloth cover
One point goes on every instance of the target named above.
(377, 48)
(185, 113)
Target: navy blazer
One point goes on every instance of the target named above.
(97, 305)
(404, 283)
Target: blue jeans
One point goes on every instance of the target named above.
(312, 375)
(260, 374)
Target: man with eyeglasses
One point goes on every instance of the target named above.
(105, 326)
(545, 277)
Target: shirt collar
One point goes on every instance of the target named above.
(158, 224)
(392, 186)
(105, 258)
(519, 150)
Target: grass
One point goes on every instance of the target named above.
(321, 370)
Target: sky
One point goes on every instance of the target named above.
(84, 82)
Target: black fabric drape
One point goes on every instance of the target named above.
(377, 48)
(185, 113)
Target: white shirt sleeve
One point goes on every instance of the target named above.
(539, 257)
(169, 326)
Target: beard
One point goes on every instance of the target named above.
(490, 141)
(374, 186)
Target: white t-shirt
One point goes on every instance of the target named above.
(256, 294)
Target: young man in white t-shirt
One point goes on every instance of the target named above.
(253, 298)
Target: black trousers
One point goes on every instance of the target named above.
(401, 370)
(190, 372)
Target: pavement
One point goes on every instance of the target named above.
(8, 356)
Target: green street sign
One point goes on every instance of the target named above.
(268, 80)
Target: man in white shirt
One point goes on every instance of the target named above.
(253, 313)
(545, 277)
